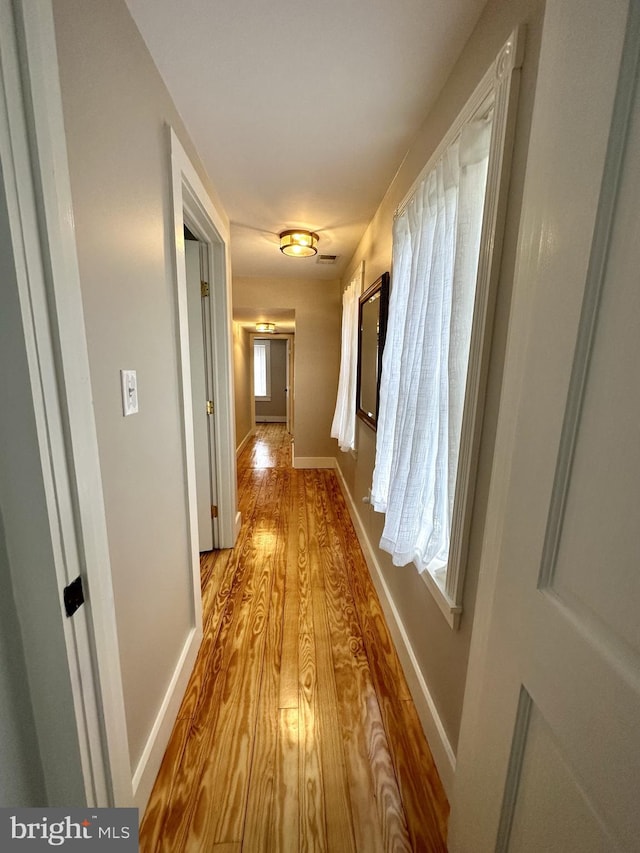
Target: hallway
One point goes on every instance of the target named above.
(297, 730)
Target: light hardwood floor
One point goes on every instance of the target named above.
(297, 731)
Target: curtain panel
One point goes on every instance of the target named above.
(436, 243)
(344, 420)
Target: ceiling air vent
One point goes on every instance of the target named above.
(326, 259)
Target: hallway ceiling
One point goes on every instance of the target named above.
(302, 112)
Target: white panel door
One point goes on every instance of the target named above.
(549, 754)
(197, 351)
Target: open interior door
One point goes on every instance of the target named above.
(198, 300)
(549, 754)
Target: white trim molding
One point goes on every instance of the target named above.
(505, 82)
(148, 766)
(314, 461)
(271, 419)
(245, 441)
(434, 730)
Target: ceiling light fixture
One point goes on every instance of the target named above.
(269, 328)
(298, 243)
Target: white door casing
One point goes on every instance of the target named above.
(549, 757)
(191, 203)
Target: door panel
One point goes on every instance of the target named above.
(199, 395)
(209, 367)
(596, 564)
(552, 810)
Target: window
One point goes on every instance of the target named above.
(445, 241)
(262, 370)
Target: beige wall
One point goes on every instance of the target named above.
(317, 306)
(277, 405)
(116, 112)
(442, 653)
(242, 381)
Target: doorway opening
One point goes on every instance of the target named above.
(272, 369)
(280, 407)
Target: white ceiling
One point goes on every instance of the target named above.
(300, 111)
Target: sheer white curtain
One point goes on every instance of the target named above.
(344, 419)
(436, 244)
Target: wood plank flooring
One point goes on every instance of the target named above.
(297, 731)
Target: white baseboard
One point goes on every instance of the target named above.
(271, 419)
(153, 753)
(439, 743)
(244, 442)
(314, 462)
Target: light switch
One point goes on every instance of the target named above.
(129, 392)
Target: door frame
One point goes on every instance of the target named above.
(192, 204)
(290, 337)
(38, 193)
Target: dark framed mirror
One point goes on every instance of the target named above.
(372, 330)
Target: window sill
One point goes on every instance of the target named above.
(436, 586)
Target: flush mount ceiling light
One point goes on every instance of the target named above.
(298, 243)
(266, 327)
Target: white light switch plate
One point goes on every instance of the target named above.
(129, 392)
